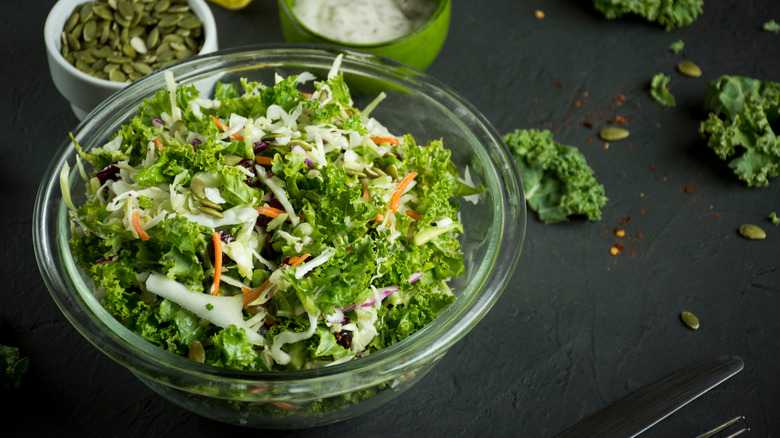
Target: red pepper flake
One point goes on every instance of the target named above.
(621, 120)
(717, 215)
(619, 247)
(559, 85)
(587, 125)
(577, 103)
(590, 140)
(625, 219)
(639, 235)
(688, 189)
(652, 168)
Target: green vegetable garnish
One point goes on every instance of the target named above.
(259, 230)
(659, 89)
(774, 218)
(772, 26)
(668, 13)
(677, 46)
(557, 180)
(738, 126)
(13, 365)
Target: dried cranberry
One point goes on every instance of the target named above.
(226, 237)
(253, 180)
(344, 338)
(109, 172)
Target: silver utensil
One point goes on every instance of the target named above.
(725, 426)
(646, 407)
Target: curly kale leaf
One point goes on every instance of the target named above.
(669, 13)
(558, 181)
(13, 365)
(740, 112)
(660, 91)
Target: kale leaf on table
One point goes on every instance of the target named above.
(669, 13)
(740, 112)
(557, 180)
(13, 365)
(659, 90)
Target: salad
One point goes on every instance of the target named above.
(268, 227)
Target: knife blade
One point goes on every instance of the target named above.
(641, 410)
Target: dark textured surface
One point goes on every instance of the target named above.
(577, 328)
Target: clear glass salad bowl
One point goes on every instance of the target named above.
(494, 227)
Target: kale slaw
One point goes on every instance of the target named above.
(336, 237)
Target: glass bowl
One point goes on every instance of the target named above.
(417, 49)
(493, 234)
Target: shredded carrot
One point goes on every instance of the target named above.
(413, 214)
(395, 200)
(226, 128)
(390, 140)
(269, 211)
(380, 217)
(217, 261)
(297, 260)
(264, 161)
(137, 225)
(285, 405)
(252, 294)
(158, 143)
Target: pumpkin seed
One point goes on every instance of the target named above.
(125, 9)
(162, 5)
(198, 187)
(190, 21)
(85, 13)
(118, 59)
(752, 232)
(209, 204)
(129, 51)
(392, 171)
(117, 75)
(142, 67)
(196, 352)
(689, 69)
(613, 134)
(103, 11)
(690, 320)
(72, 22)
(211, 211)
(302, 144)
(138, 45)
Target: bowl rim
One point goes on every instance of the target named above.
(440, 9)
(60, 12)
(444, 331)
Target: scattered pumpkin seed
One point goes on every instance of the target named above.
(690, 320)
(302, 144)
(198, 187)
(613, 134)
(212, 205)
(392, 171)
(689, 69)
(197, 352)
(210, 211)
(753, 232)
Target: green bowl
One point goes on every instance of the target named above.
(417, 49)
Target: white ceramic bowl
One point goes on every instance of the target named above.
(83, 91)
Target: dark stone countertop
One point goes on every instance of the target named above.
(577, 328)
